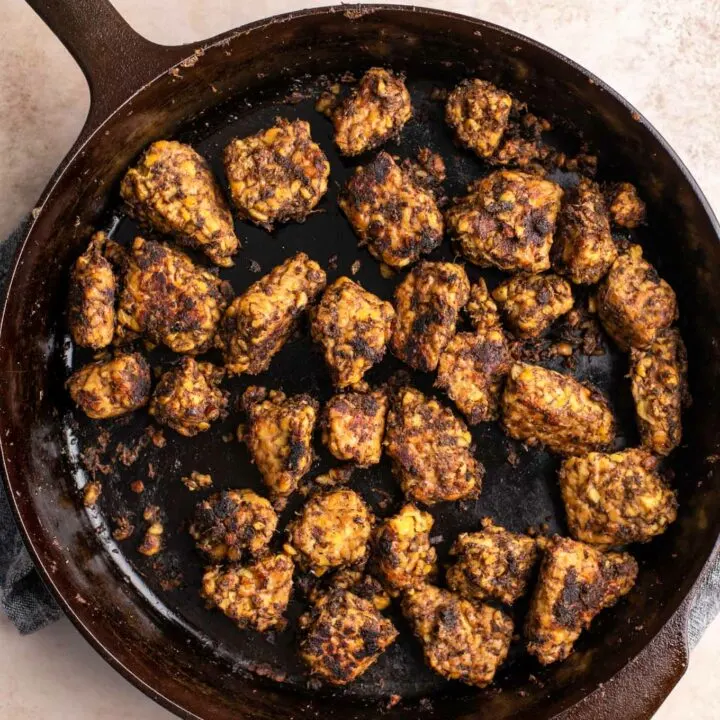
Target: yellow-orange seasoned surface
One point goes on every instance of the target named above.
(507, 219)
(91, 300)
(170, 299)
(188, 397)
(584, 249)
(353, 327)
(277, 175)
(541, 406)
(375, 111)
(431, 450)
(398, 220)
(634, 302)
(478, 112)
(402, 554)
(576, 582)
(231, 523)
(258, 323)
(658, 378)
(255, 595)
(428, 302)
(625, 205)
(531, 303)
(461, 640)
(493, 563)
(354, 425)
(173, 190)
(332, 531)
(110, 388)
(344, 635)
(279, 436)
(617, 498)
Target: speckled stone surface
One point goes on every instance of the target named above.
(661, 55)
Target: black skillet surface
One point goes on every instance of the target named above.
(194, 661)
(519, 496)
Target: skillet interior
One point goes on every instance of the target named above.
(195, 654)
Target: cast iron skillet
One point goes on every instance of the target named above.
(194, 662)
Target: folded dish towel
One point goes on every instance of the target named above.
(30, 606)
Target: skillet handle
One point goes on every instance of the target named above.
(116, 60)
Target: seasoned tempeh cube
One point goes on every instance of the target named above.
(481, 308)
(374, 111)
(353, 426)
(279, 436)
(659, 388)
(507, 219)
(478, 112)
(170, 299)
(233, 522)
(343, 636)
(616, 499)
(258, 323)
(353, 327)
(277, 175)
(91, 300)
(624, 204)
(634, 302)
(431, 450)
(493, 564)
(110, 388)
(398, 220)
(254, 596)
(531, 303)
(332, 530)
(472, 369)
(576, 582)
(583, 249)
(541, 406)
(173, 190)
(188, 398)
(402, 555)
(428, 302)
(461, 640)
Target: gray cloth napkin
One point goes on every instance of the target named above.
(30, 606)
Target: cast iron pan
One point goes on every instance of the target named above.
(194, 661)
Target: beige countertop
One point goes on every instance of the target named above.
(661, 55)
